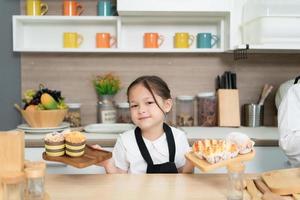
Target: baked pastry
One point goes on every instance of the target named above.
(213, 150)
(54, 144)
(243, 142)
(75, 143)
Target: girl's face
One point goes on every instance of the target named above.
(144, 111)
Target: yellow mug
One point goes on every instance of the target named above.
(183, 40)
(72, 40)
(36, 8)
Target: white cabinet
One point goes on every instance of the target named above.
(45, 33)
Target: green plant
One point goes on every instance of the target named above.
(107, 84)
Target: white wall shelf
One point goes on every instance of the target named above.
(45, 33)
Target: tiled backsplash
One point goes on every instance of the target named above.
(185, 73)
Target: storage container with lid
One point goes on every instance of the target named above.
(207, 109)
(107, 112)
(74, 114)
(271, 22)
(185, 110)
(123, 113)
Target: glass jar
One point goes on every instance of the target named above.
(13, 185)
(74, 115)
(35, 187)
(207, 109)
(107, 112)
(185, 110)
(235, 177)
(123, 113)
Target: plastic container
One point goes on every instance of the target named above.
(123, 113)
(271, 22)
(74, 114)
(207, 109)
(13, 185)
(185, 110)
(235, 181)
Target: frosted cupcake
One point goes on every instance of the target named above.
(75, 143)
(54, 144)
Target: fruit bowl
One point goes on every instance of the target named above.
(43, 118)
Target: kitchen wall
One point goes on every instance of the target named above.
(10, 80)
(185, 73)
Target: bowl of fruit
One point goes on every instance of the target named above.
(43, 108)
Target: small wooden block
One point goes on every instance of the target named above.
(90, 157)
(205, 166)
(228, 108)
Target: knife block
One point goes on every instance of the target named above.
(11, 153)
(228, 108)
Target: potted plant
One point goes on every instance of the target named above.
(106, 86)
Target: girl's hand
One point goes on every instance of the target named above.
(96, 146)
(104, 163)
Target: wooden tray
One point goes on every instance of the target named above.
(90, 157)
(283, 182)
(205, 166)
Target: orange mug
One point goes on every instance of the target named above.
(153, 40)
(105, 40)
(72, 8)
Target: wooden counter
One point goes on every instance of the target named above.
(131, 187)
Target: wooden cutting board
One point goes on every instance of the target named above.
(283, 182)
(90, 157)
(205, 166)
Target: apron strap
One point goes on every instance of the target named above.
(144, 151)
(142, 146)
(171, 142)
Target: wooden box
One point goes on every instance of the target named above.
(228, 108)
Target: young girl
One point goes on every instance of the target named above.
(153, 146)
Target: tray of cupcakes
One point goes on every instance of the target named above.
(70, 147)
(210, 154)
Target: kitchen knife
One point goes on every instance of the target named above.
(218, 82)
(226, 80)
(233, 81)
(228, 76)
(267, 194)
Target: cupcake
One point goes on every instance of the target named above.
(54, 144)
(75, 143)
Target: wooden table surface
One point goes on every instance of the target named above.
(141, 187)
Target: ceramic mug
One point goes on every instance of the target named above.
(72, 40)
(105, 40)
(104, 8)
(36, 8)
(206, 40)
(153, 40)
(72, 8)
(183, 40)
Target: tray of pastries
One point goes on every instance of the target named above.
(209, 154)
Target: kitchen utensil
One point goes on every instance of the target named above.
(253, 115)
(277, 181)
(253, 191)
(267, 194)
(91, 156)
(205, 166)
(265, 92)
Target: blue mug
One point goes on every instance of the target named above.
(104, 8)
(206, 40)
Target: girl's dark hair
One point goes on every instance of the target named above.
(152, 83)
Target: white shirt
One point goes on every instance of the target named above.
(127, 156)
